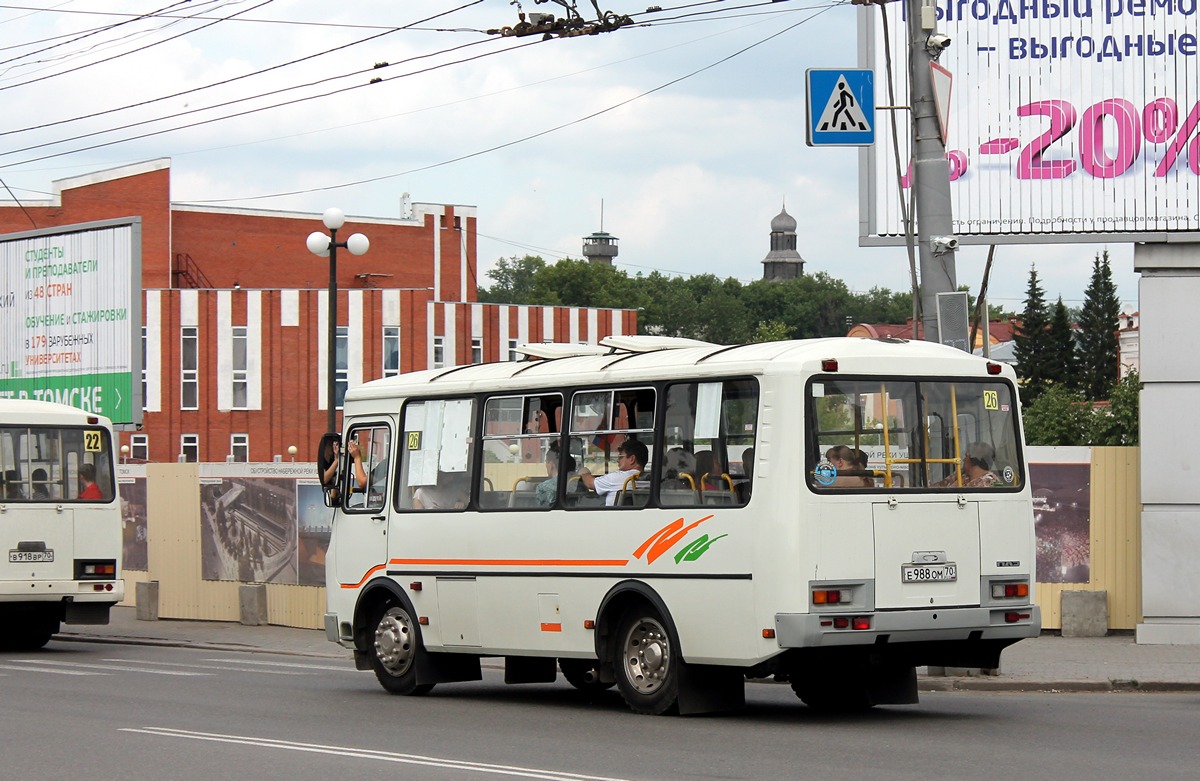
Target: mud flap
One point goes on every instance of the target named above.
(447, 668)
(706, 688)
(892, 685)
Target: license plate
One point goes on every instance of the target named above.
(924, 573)
(22, 556)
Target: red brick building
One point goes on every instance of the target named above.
(235, 310)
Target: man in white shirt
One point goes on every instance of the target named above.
(632, 456)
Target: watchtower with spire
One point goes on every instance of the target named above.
(783, 261)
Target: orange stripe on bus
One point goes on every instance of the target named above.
(551, 627)
(366, 577)
(513, 562)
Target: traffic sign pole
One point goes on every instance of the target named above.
(931, 171)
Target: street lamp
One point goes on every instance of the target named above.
(327, 246)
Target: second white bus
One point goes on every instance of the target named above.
(831, 512)
(60, 521)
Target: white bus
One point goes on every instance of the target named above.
(60, 521)
(750, 545)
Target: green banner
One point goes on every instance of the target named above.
(110, 395)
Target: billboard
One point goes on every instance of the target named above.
(1070, 120)
(71, 317)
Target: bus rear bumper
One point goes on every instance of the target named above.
(808, 630)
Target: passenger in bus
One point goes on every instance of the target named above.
(547, 491)
(976, 468)
(41, 488)
(744, 487)
(846, 460)
(87, 476)
(450, 493)
(12, 485)
(709, 473)
(631, 460)
(378, 460)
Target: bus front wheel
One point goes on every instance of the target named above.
(395, 643)
(646, 662)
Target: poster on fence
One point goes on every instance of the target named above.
(131, 479)
(250, 528)
(1060, 478)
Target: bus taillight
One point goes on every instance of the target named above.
(95, 570)
(993, 368)
(829, 365)
(1010, 590)
(831, 596)
(1013, 617)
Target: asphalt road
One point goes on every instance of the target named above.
(141, 712)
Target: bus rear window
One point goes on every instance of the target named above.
(53, 464)
(898, 434)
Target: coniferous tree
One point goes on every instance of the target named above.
(1032, 337)
(1062, 362)
(1098, 323)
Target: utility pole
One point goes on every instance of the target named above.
(936, 243)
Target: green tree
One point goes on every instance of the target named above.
(771, 331)
(1118, 423)
(1098, 323)
(513, 281)
(1058, 416)
(1062, 363)
(1032, 339)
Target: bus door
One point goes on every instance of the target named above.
(361, 533)
(926, 554)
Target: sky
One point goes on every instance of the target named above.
(683, 134)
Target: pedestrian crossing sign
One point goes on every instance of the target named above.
(841, 107)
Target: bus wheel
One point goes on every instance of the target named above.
(395, 643)
(583, 675)
(646, 662)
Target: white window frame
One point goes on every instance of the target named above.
(341, 365)
(476, 349)
(391, 338)
(439, 352)
(189, 376)
(239, 448)
(189, 448)
(240, 374)
(139, 447)
(513, 355)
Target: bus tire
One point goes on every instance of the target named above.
(646, 661)
(394, 645)
(584, 675)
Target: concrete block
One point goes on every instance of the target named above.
(1084, 613)
(252, 604)
(146, 595)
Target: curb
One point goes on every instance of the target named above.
(1057, 687)
(168, 643)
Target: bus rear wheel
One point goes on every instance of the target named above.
(395, 644)
(646, 662)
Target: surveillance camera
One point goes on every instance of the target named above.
(937, 43)
(943, 244)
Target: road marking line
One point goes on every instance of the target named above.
(27, 669)
(380, 756)
(328, 668)
(213, 667)
(118, 668)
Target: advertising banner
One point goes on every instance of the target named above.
(1069, 120)
(70, 311)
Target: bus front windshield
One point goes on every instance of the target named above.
(912, 434)
(53, 464)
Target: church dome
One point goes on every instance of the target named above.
(783, 223)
